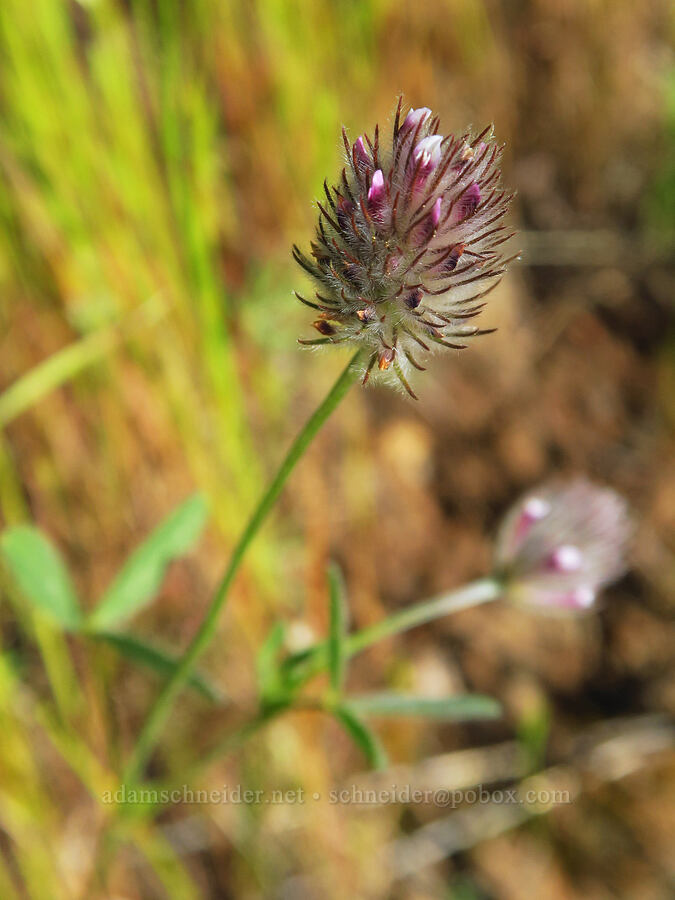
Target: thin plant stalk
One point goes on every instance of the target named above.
(230, 743)
(315, 660)
(473, 594)
(159, 712)
(305, 665)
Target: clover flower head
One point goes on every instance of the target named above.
(560, 544)
(406, 247)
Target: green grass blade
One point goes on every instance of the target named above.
(267, 666)
(68, 362)
(338, 626)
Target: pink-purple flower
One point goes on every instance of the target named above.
(408, 244)
(559, 545)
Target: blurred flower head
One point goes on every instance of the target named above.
(406, 247)
(560, 544)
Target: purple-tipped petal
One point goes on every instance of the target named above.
(578, 599)
(520, 521)
(360, 152)
(427, 154)
(414, 117)
(566, 558)
(377, 192)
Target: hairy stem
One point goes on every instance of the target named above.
(472, 594)
(162, 707)
(305, 665)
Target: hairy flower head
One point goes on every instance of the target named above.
(406, 246)
(560, 544)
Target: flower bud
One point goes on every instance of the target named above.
(559, 545)
(466, 205)
(415, 117)
(423, 232)
(377, 192)
(427, 154)
(344, 211)
(361, 154)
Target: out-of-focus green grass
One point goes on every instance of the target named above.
(125, 131)
(119, 185)
(116, 190)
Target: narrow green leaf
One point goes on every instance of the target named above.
(365, 739)
(533, 732)
(156, 658)
(455, 709)
(338, 627)
(267, 660)
(40, 573)
(141, 576)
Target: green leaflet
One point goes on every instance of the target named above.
(140, 577)
(40, 573)
(365, 739)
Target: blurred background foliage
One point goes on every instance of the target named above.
(156, 161)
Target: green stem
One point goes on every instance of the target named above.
(472, 594)
(164, 789)
(304, 666)
(162, 706)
